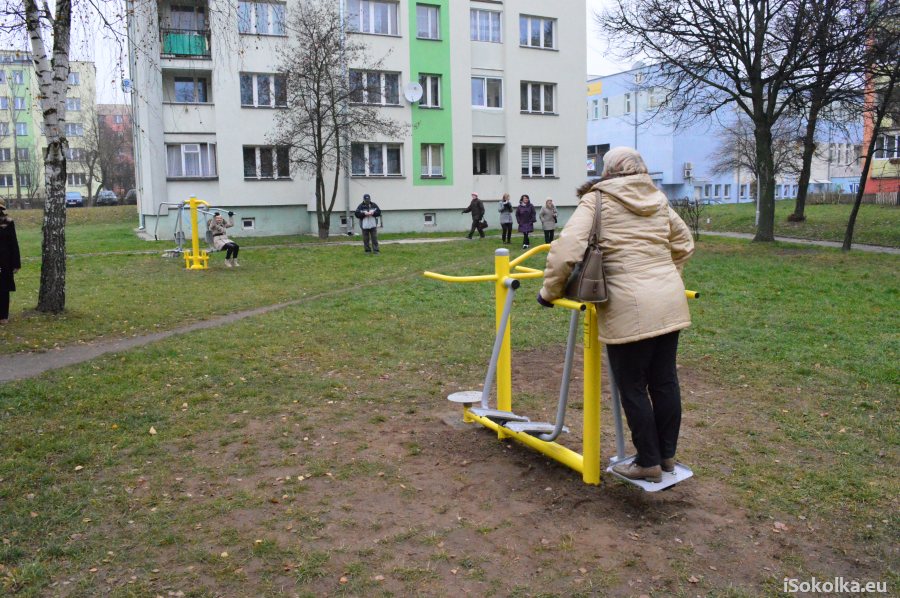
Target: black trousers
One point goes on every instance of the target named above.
(548, 236)
(525, 240)
(370, 239)
(474, 228)
(507, 231)
(4, 305)
(231, 250)
(655, 420)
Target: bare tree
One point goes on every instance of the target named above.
(30, 171)
(737, 149)
(325, 109)
(114, 155)
(752, 54)
(90, 153)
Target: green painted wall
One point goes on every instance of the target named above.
(432, 125)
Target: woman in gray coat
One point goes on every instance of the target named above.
(548, 220)
(506, 211)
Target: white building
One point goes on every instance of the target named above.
(503, 110)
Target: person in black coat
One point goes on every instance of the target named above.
(368, 214)
(477, 210)
(10, 261)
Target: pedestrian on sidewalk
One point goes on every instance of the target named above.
(368, 214)
(526, 217)
(549, 217)
(476, 208)
(506, 218)
(10, 261)
(218, 227)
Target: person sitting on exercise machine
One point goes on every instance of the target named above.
(218, 226)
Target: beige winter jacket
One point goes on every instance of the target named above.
(645, 244)
(220, 238)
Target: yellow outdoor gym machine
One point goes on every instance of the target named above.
(195, 259)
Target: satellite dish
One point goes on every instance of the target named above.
(412, 92)
(127, 86)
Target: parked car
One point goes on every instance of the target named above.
(74, 199)
(105, 197)
(130, 198)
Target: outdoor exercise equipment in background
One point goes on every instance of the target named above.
(195, 258)
(542, 436)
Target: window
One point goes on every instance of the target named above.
(19, 103)
(431, 91)
(190, 90)
(707, 190)
(5, 154)
(4, 129)
(537, 98)
(486, 159)
(191, 160)
(6, 180)
(375, 87)
(75, 154)
(487, 92)
(76, 179)
(656, 98)
(428, 24)
(726, 191)
(372, 16)
(25, 180)
(118, 119)
(267, 162)
(73, 130)
(432, 160)
(605, 111)
(484, 25)
(538, 162)
(627, 103)
(248, 223)
(22, 129)
(743, 190)
(22, 154)
(537, 32)
(717, 190)
(2, 77)
(375, 159)
(794, 189)
(261, 18)
(74, 78)
(73, 104)
(263, 91)
(595, 109)
(887, 146)
(18, 78)
(4, 103)
(430, 219)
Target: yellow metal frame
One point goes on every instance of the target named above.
(588, 462)
(195, 259)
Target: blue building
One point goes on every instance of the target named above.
(624, 110)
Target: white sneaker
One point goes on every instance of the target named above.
(235, 263)
(228, 263)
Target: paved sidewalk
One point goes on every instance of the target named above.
(834, 244)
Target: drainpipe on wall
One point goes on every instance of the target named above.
(348, 228)
(135, 120)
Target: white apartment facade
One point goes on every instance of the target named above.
(502, 110)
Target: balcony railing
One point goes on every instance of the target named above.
(191, 43)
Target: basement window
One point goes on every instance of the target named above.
(248, 223)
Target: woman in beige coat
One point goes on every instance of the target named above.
(645, 244)
(218, 227)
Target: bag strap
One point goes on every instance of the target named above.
(594, 239)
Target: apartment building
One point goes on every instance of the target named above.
(501, 110)
(22, 141)
(115, 129)
(624, 109)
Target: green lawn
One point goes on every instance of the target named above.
(875, 225)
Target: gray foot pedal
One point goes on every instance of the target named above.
(669, 479)
(534, 428)
(466, 397)
(496, 414)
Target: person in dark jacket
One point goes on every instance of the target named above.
(10, 261)
(477, 210)
(526, 216)
(506, 211)
(368, 214)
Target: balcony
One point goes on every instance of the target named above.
(185, 43)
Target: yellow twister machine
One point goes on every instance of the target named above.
(195, 259)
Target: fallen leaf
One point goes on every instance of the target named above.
(693, 579)
(344, 580)
(224, 555)
(779, 527)
(79, 467)
(379, 578)
(152, 431)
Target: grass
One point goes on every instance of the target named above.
(875, 225)
(802, 341)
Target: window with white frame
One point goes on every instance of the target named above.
(191, 90)
(22, 154)
(375, 87)
(487, 92)
(537, 32)
(430, 218)
(76, 154)
(595, 109)
(2, 77)
(486, 159)
(717, 190)
(431, 91)
(744, 190)
(432, 160)
(627, 103)
(22, 129)
(5, 154)
(118, 119)
(267, 162)
(428, 21)
(707, 191)
(74, 78)
(25, 180)
(261, 18)
(18, 78)
(538, 98)
(76, 179)
(190, 160)
(656, 98)
(373, 16)
(4, 103)
(73, 104)
(376, 159)
(248, 223)
(4, 129)
(19, 103)
(538, 162)
(605, 108)
(7, 180)
(73, 130)
(887, 146)
(726, 191)
(484, 25)
(263, 90)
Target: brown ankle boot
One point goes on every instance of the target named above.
(633, 471)
(668, 465)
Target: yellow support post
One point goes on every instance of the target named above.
(592, 359)
(195, 259)
(504, 360)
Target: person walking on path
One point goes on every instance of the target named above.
(217, 226)
(368, 214)
(645, 246)
(10, 261)
(526, 217)
(506, 209)
(549, 217)
(476, 207)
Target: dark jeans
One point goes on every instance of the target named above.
(231, 250)
(639, 367)
(525, 240)
(474, 228)
(4, 305)
(370, 239)
(507, 231)
(548, 236)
